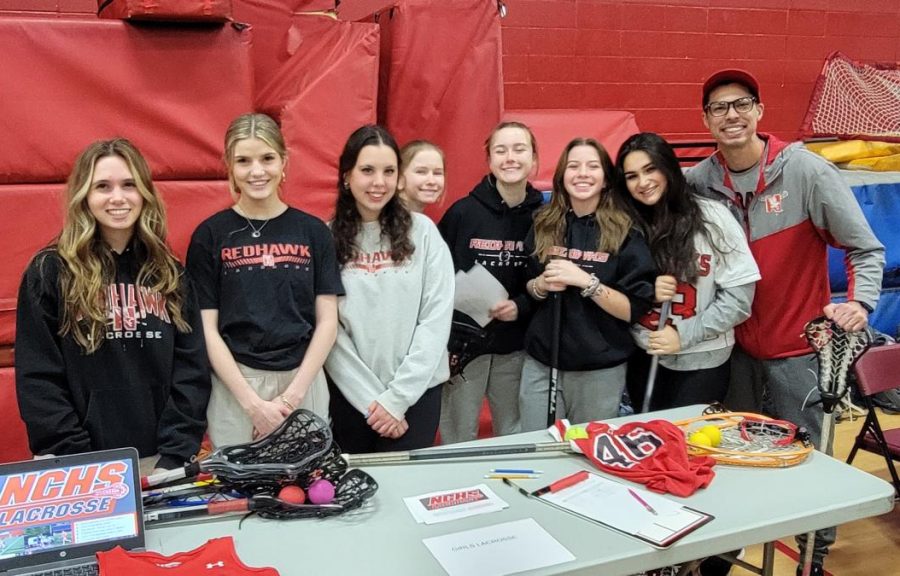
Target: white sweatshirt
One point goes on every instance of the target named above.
(394, 320)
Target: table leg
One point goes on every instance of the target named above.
(768, 563)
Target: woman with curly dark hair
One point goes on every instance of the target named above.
(390, 357)
(707, 272)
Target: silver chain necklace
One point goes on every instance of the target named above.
(257, 232)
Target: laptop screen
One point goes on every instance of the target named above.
(69, 507)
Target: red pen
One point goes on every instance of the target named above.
(563, 483)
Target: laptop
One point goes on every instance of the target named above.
(57, 513)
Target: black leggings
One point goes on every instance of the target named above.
(354, 435)
(674, 388)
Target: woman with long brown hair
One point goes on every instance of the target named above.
(586, 254)
(390, 357)
(109, 350)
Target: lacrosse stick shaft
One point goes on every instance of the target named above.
(188, 471)
(554, 358)
(380, 458)
(240, 505)
(654, 361)
(827, 425)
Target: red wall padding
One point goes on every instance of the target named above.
(166, 10)
(326, 90)
(33, 216)
(15, 439)
(171, 90)
(553, 129)
(441, 81)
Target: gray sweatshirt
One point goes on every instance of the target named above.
(394, 320)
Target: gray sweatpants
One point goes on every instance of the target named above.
(780, 388)
(496, 376)
(581, 396)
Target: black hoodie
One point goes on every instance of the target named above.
(482, 228)
(591, 338)
(146, 386)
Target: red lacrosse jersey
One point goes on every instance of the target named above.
(215, 558)
(652, 453)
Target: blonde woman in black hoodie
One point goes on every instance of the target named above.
(488, 227)
(109, 346)
(587, 255)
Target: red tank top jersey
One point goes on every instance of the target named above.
(215, 558)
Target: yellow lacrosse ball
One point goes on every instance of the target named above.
(713, 432)
(698, 438)
(575, 433)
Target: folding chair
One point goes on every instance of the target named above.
(877, 370)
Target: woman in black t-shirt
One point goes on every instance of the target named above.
(268, 282)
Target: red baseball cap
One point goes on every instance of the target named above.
(730, 76)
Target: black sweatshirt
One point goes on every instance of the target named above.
(482, 228)
(146, 386)
(591, 338)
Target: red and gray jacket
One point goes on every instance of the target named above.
(802, 205)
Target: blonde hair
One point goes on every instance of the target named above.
(408, 153)
(88, 265)
(253, 125)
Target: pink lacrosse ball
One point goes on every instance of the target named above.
(320, 492)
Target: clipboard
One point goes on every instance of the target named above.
(634, 512)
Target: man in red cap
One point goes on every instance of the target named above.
(793, 204)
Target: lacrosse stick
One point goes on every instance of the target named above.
(555, 335)
(284, 455)
(654, 361)
(352, 490)
(749, 439)
(837, 350)
(380, 458)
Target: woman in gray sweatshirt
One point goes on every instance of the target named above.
(391, 351)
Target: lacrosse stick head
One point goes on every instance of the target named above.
(291, 451)
(748, 439)
(351, 491)
(837, 350)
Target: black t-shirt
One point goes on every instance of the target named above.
(264, 288)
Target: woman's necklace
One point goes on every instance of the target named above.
(257, 232)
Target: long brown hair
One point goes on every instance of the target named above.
(611, 217)
(672, 223)
(88, 264)
(395, 219)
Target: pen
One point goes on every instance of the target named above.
(515, 471)
(523, 491)
(642, 502)
(513, 476)
(563, 483)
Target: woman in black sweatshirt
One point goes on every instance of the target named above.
(586, 254)
(488, 227)
(109, 347)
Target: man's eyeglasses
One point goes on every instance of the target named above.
(741, 106)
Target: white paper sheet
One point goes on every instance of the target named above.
(476, 293)
(449, 505)
(497, 550)
(610, 503)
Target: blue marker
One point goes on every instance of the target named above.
(515, 471)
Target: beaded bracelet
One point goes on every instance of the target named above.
(592, 287)
(535, 293)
